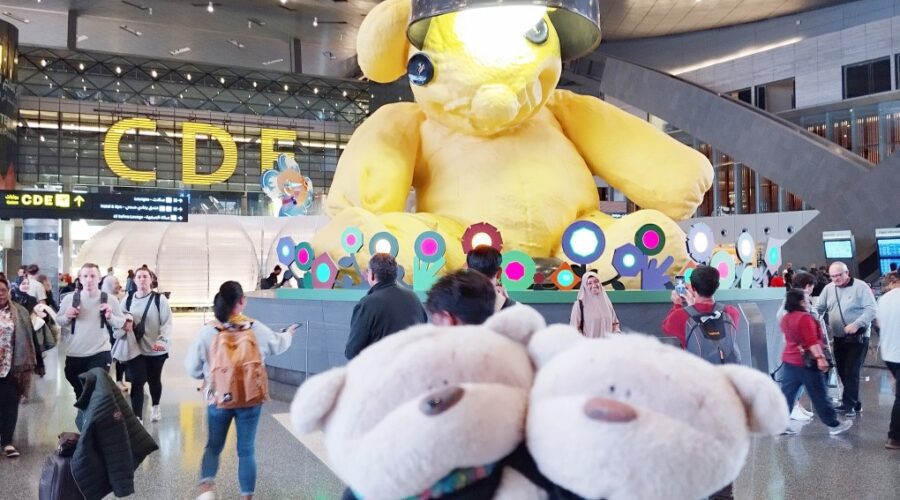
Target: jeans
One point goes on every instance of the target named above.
(218, 421)
(145, 370)
(814, 382)
(848, 359)
(894, 431)
(76, 366)
(9, 409)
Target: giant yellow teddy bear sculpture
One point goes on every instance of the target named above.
(489, 138)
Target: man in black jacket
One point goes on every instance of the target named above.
(386, 309)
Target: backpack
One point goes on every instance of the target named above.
(237, 374)
(712, 336)
(104, 298)
(57, 481)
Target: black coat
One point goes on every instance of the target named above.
(386, 309)
(113, 442)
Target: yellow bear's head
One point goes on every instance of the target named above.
(493, 68)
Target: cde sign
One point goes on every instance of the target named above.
(189, 133)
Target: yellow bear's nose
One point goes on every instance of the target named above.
(494, 106)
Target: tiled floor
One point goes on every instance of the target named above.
(810, 465)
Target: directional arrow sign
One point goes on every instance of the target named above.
(79, 200)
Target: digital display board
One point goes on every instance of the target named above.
(146, 207)
(888, 253)
(838, 249)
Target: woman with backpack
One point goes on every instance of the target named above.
(805, 362)
(593, 314)
(147, 330)
(233, 341)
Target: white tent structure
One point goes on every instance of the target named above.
(191, 259)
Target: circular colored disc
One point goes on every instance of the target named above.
(583, 242)
(479, 234)
(304, 255)
(628, 260)
(724, 263)
(430, 246)
(745, 247)
(650, 238)
(518, 270)
(323, 272)
(566, 278)
(700, 242)
(285, 250)
(384, 242)
(352, 239)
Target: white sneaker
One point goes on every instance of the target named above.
(805, 411)
(799, 415)
(841, 427)
(155, 414)
(208, 495)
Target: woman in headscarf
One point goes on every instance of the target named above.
(593, 314)
(17, 360)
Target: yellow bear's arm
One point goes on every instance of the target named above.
(376, 169)
(652, 169)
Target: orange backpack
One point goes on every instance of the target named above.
(237, 373)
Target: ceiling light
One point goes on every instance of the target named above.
(315, 22)
(81, 38)
(345, 93)
(80, 66)
(736, 55)
(130, 30)
(118, 70)
(222, 80)
(316, 90)
(252, 20)
(282, 1)
(153, 73)
(43, 63)
(285, 87)
(273, 61)
(188, 76)
(254, 84)
(236, 43)
(15, 17)
(180, 51)
(42, 139)
(209, 8)
(145, 8)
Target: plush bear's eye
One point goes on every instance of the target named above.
(628, 394)
(446, 383)
(539, 33)
(612, 389)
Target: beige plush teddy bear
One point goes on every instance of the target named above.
(629, 418)
(429, 411)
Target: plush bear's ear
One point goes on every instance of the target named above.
(315, 399)
(551, 341)
(518, 323)
(381, 44)
(766, 409)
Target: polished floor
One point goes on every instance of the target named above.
(810, 465)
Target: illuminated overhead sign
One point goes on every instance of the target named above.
(190, 133)
(132, 207)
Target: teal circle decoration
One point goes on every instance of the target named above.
(430, 247)
(723, 262)
(384, 241)
(518, 271)
(650, 239)
(352, 240)
(304, 256)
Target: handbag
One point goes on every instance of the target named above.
(857, 338)
(125, 349)
(809, 359)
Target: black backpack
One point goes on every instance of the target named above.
(104, 298)
(712, 335)
(57, 481)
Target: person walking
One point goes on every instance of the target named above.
(889, 321)
(148, 328)
(226, 339)
(44, 281)
(593, 313)
(17, 360)
(850, 305)
(92, 315)
(804, 337)
(130, 286)
(806, 282)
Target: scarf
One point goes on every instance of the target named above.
(599, 314)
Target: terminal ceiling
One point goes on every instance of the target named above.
(258, 33)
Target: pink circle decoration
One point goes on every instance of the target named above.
(651, 239)
(515, 271)
(429, 246)
(351, 239)
(723, 269)
(303, 256)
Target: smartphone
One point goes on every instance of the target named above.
(680, 287)
(292, 325)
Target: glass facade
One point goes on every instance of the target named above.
(71, 100)
(871, 130)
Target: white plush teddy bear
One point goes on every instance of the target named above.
(629, 418)
(429, 411)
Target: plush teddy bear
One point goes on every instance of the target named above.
(429, 411)
(629, 418)
(489, 138)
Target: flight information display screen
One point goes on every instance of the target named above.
(838, 249)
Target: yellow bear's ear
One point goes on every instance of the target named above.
(381, 44)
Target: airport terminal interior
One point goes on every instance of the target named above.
(656, 244)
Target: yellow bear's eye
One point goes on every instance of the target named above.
(538, 33)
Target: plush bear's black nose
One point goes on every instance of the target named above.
(440, 401)
(609, 410)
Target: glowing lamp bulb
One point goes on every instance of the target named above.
(628, 260)
(746, 248)
(584, 241)
(481, 239)
(495, 35)
(210, 8)
(701, 243)
(383, 246)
